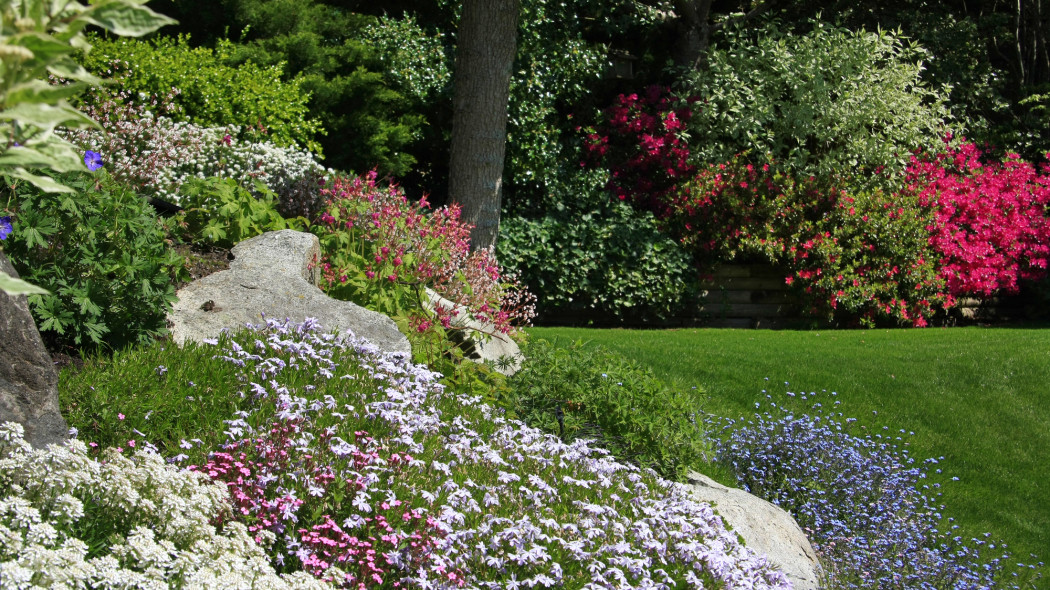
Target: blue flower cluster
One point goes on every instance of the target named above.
(860, 501)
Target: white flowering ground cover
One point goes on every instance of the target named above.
(362, 469)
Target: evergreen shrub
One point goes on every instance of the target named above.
(211, 92)
(599, 260)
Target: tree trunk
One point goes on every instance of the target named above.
(486, 43)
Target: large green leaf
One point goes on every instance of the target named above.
(126, 18)
(44, 47)
(44, 183)
(39, 91)
(15, 286)
(46, 117)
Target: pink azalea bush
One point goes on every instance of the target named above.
(852, 257)
(990, 229)
(380, 248)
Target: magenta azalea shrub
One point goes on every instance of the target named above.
(382, 249)
(991, 229)
(643, 144)
(959, 226)
(369, 473)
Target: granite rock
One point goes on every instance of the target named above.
(28, 379)
(274, 276)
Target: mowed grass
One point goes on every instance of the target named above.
(979, 397)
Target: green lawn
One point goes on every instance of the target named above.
(979, 397)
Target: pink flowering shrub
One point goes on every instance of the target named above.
(642, 143)
(379, 248)
(990, 229)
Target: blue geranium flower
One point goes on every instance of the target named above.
(93, 160)
(5, 227)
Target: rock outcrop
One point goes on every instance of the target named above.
(479, 340)
(273, 276)
(766, 529)
(28, 380)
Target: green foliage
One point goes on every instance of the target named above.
(102, 253)
(163, 391)
(416, 62)
(37, 40)
(824, 103)
(587, 392)
(213, 92)
(220, 211)
(369, 119)
(562, 62)
(600, 258)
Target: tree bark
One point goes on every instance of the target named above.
(486, 43)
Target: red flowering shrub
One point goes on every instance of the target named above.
(379, 249)
(852, 257)
(642, 143)
(991, 228)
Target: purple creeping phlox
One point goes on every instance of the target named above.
(371, 474)
(93, 160)
(860, 502)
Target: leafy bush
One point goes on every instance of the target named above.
(863, 255)
(860, 498)
(372, 120)
(417, 62)
(594, 259)
(37, 41)
(580, 392)
(221, 212)
(991, 229)
(379, 250)
(144, 146)
(71, 521)
(826, 103)
(102, 253)
(211, 93)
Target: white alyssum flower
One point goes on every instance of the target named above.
(48, 494)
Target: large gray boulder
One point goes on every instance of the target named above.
(766, 529)
(480, 341)
(28, 380)
(273, 275)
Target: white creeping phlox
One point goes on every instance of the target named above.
(144, 524)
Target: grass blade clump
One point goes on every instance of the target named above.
(580, 392)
